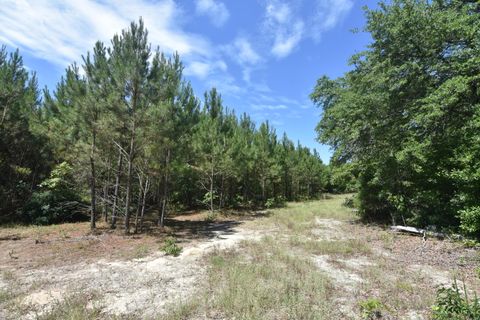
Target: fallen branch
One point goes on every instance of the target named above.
(417, 231)
(412, 230)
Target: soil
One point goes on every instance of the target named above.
(134, 277)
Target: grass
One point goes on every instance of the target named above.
(399, 289)
(261, 280)
(278, 276)
(299, 217)
(331, 247)
(74, 307)
(275, 277)
(141, 251)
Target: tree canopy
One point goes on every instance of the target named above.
(406, 118)
(123, 134)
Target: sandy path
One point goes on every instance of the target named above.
(140, 287)
(147, 287)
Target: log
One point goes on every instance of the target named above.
(412, 230)
(418, 231)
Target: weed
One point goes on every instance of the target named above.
(371, 308)
(74, 307)
(8, 275)
(170, 247)
(141, 251)
(452, 304)
(470, 243)
(212, 216)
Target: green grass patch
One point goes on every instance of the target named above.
(74, 307)
(326, 247)
(263, 281)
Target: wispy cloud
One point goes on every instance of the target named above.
(328, 14)
(286, 41)
(286, 27)
(215, 10)
(269, 107)
(244, 51)
(245, 56)
(61, 31)
(203, 69)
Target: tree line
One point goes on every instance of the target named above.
(406, 119)
(123, 134)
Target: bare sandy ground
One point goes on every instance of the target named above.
(143, 287)
(147, 287)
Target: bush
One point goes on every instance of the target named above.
(470, 221)
(276, 202)
(451, 304)
(211, 216)
(56, 200)
(349, 202)
(171, 248)
(371, 309)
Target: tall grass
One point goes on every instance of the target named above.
(275, 277)
(261, 280)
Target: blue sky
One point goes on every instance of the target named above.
(264, 56)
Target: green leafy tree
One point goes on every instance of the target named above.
(407, 114)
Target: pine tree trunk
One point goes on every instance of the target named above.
(145, 191)
(211, 188)
(139, 204)
(263, 190)
(165, 189)
(222, 193)
(129, 186)
(131, 154)
(93, 199)
(117, 187)
(105, 205)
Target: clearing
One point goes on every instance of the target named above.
(310, 260)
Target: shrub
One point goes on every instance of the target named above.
(371, 309)
(56, 200)
(211, 216)
(270, 203)
(349, 202)
(171, 248)
(470, 221)
(276, 202)
(452, 304)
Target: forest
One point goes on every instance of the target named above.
(124, 133)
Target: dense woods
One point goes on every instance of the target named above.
(124, 134)
(406, 119)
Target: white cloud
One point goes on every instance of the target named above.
(280, 12)
(328, 14)
(216, 11)
(203, 69)
(61, 31)
(244, 52)
(269, 107)
(284, 26)
(198, 69)
(286, 41)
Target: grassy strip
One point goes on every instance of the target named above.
(261, 280)
(274, 278)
